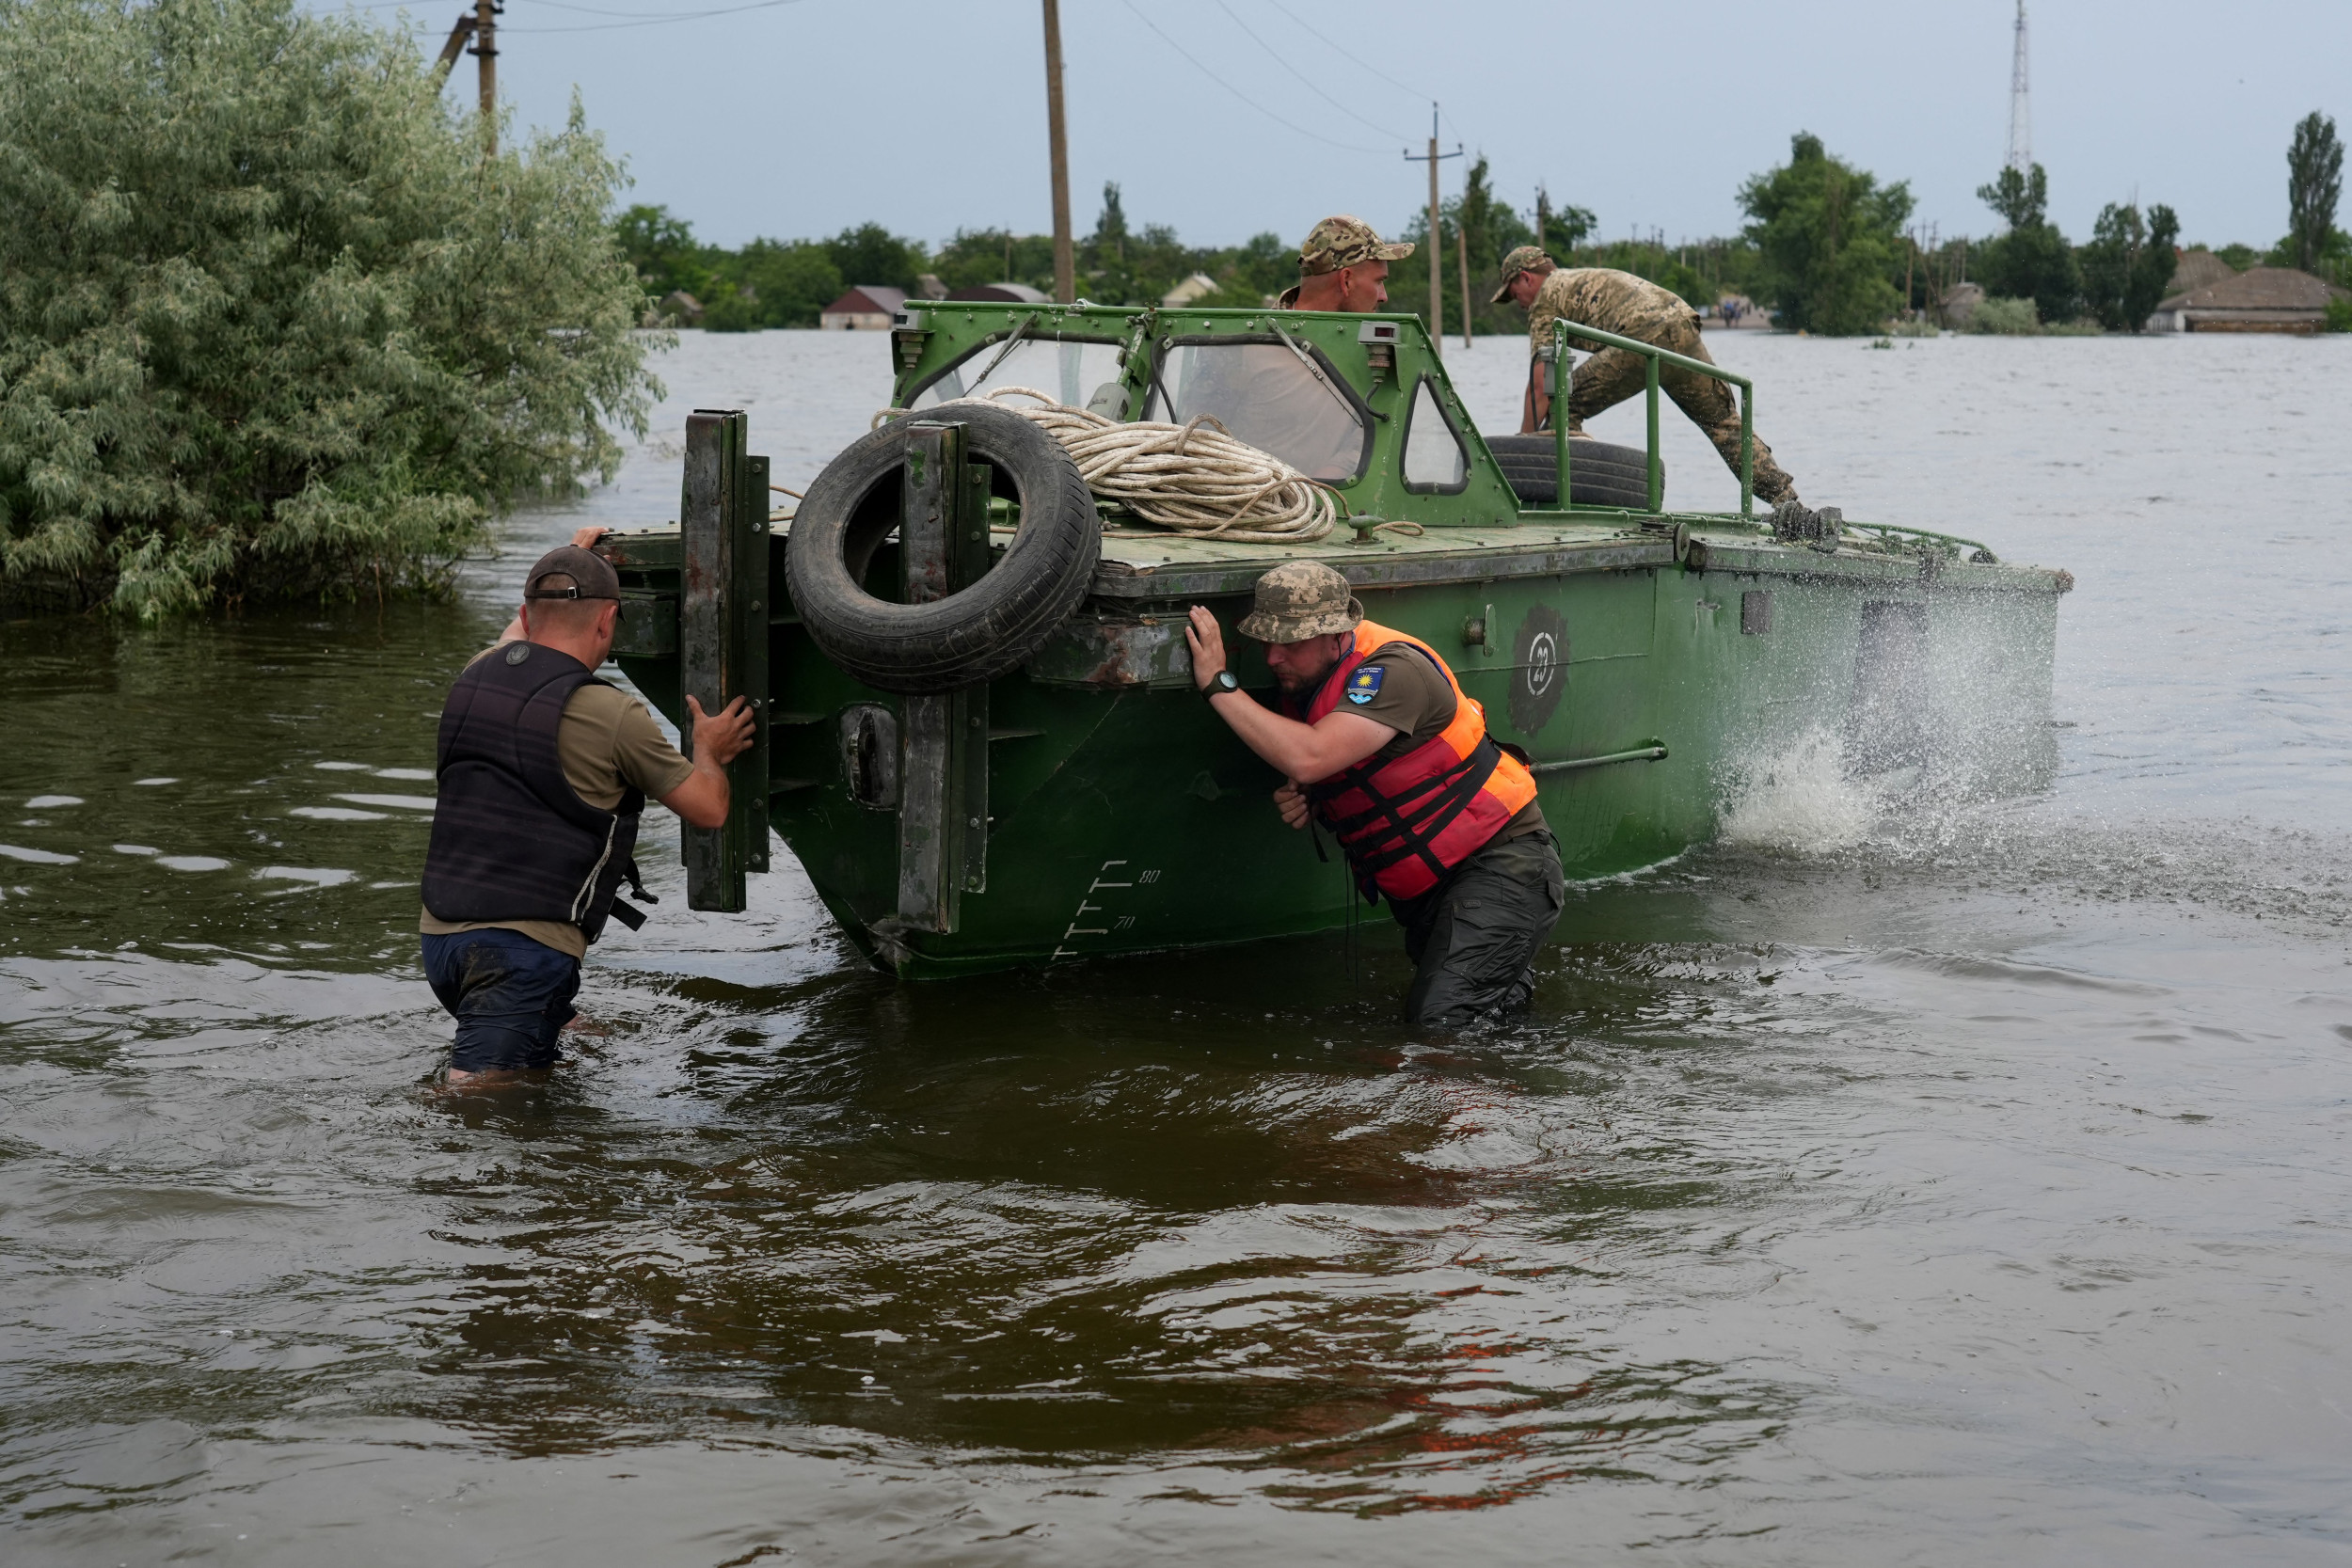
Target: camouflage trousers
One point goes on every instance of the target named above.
(1613, 375)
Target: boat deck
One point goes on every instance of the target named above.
(1139, 564)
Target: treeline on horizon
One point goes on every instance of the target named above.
(1827, 248)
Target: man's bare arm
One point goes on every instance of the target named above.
(1306, 753)
(719, 739)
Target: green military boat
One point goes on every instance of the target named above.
(980, 737)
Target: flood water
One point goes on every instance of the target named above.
(1896, 1181)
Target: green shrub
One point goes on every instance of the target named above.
(733, 311)
(270, 321)
(2340, 314)
(2013, 318)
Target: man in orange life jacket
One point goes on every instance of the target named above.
(1378, 743)
(543, 771)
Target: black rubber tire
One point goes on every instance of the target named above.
(968, 638)
(1601, 473)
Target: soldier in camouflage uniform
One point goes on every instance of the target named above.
(1343, 265)
(1611, 301)
(1260, 393)
(1367, 725)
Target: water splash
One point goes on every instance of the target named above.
(1797, 798)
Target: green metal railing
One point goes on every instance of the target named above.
(1896, 534)
(1563, 375)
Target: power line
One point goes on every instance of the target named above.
(1347, 147)
(1374, 69)
(636, 19)
(652, 19)
(1303, 77)
(599, 11)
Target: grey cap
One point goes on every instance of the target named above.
(1301, 599)
(568, 572)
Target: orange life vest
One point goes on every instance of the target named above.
(1407, 822)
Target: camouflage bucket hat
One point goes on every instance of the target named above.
(1302, 599)
(1345, 242)
(1516, 263)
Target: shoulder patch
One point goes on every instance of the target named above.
(1364, 685)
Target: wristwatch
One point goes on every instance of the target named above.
(1223, 681)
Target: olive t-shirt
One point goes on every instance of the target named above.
(608, 743)
(1417, 702)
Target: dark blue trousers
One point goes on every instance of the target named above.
(510, 995)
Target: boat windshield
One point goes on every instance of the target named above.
(1268, 395)
(1085, 375)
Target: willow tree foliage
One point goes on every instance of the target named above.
(270, 321)
(1830, 239)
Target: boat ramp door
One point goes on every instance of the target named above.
(731, 579)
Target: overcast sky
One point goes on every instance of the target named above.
(802, 117)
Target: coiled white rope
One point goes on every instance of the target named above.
(1183, 477)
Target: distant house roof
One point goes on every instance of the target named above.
(1014, 293)
(2258, 288)
(869, 299)
(2197, 269)
(1192, 288)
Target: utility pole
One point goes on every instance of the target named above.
(458, 36)
(1065, 265)
(485, 52)
(1461, 251)
(1436, 283)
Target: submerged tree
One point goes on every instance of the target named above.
(1110, 230)
(2032, 261)
(270, 321)
(2314, 182)
(1831, 241)
(2127, 264)
(870, 253)
(1561, 233)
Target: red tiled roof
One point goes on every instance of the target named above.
(869, 299)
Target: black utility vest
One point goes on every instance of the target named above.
(511, 840)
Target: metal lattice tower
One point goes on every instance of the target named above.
(2020, 105)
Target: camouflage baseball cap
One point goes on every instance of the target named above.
(1299, 600)
(1345, 242)
(1516, 263)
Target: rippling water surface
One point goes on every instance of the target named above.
(1891, 1183)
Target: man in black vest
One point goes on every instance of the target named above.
(544, 770)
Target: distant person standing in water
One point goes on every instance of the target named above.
(544, 770)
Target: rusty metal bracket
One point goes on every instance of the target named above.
(722, 640)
